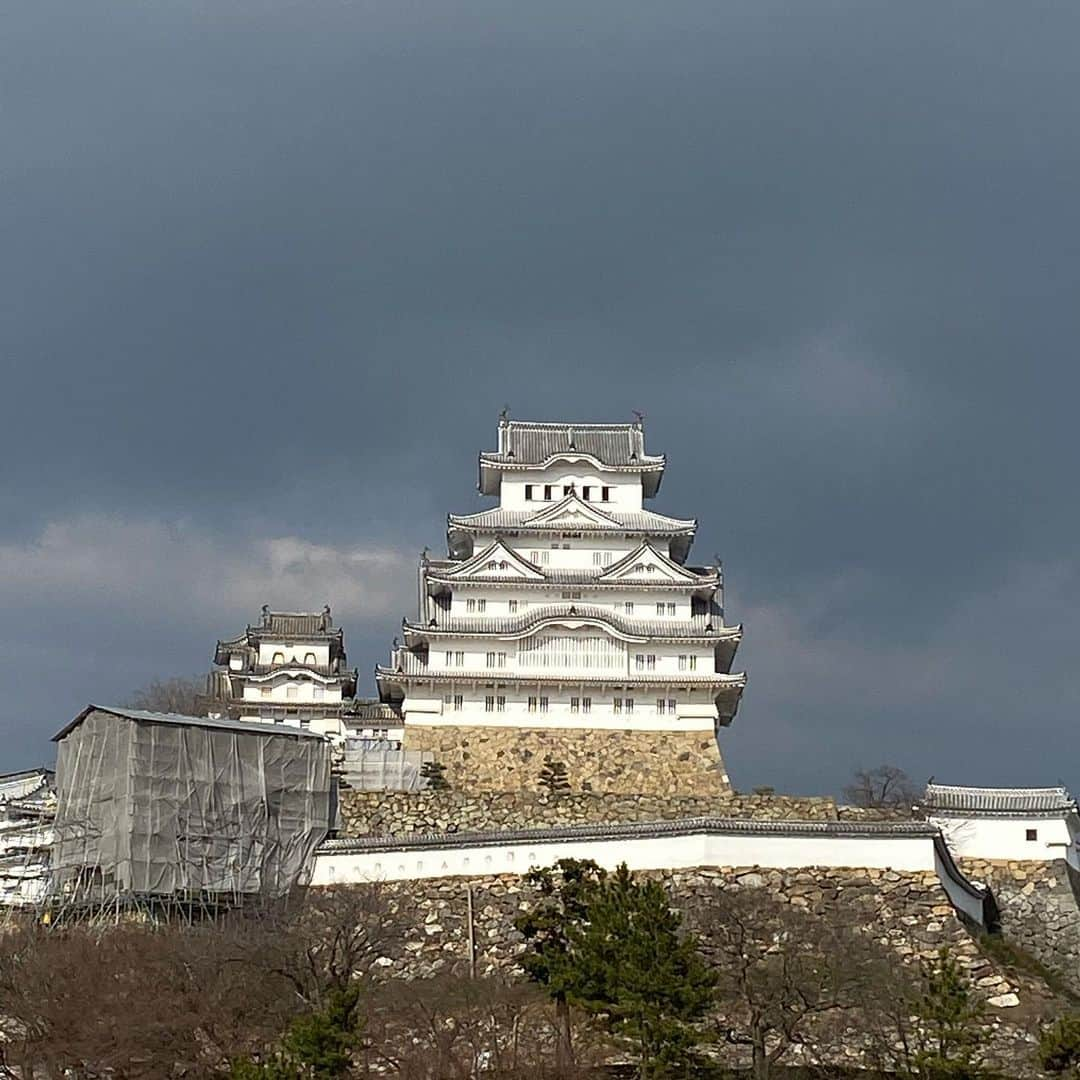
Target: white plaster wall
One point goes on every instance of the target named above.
(294, 653)
(308, 691)
(626, 491)
(1005, 837)
(639, 853)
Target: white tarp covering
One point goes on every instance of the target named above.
(157, 805)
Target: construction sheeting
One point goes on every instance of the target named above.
(383, 769)
(155, 806)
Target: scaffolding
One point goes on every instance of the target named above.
(176, 813)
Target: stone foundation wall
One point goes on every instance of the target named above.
(1038, 907)
(394, 813)
(624, 762)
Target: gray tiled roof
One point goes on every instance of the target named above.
(643, 521)
(525, 442)
(682, 827)
(696, 627)
(246, 727)
(996, 801)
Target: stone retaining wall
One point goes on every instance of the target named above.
(626, 762)
(393, 813)
(1038, 907)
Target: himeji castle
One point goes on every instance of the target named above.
(567, 627)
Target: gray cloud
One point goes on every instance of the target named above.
(270, 270)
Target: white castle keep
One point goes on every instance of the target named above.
(566, 624)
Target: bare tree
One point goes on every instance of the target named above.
(886, 787)
(785, 977)
(180, 695)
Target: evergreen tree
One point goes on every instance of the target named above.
(564, 891)
(553, 777)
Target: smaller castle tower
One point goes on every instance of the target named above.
(290, 668)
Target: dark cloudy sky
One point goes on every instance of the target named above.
(268, 271)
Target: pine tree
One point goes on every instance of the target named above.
(553, 777)
(434, 772)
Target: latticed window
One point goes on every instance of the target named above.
(543, 704)
(490, 659)
(570, 652)
(616, 705)
(682, 662)
(481, 605)
(586, 704)
(511, 606)
(500, 703)
(629, 608)
(470, 604)
(671, 608)
(671, 705)
(660, 609)
(458, 702)
(661, 706)
(500, 659)
(650, 662)
(489, 703)
(575, 704)
(639, 662)
(628, 704)
(532, 704)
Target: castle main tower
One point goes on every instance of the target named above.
(567, 625)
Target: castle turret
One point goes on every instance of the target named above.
(567, 625)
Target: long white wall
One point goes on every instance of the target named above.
(1007, 838)
(902, 853)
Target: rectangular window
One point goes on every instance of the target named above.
(575, 704)
(481, 605)
(528, 492)
(500, 659)
(568, 489)
(266, 691)
(693, 663)
(459, 659)
(449, 657)
(458, 702)
(1033, 834)
(671, 705)
(532, 704)
(659, 609)
(605, 494)
(650, 662)
(291, 692)
(547, 492)
(566, 547)
(661, 706)
(616, 705)
(671, 609)
(500, 703)
(511, 606)
(639, 662)
(448, 699)
(682, 662)
(490, 659)
(489, 703)
(545, 558)
(586, 493)
(586, 704)
(629, 607)
(629, 704)
(543, 704)
(470, 605)
(319, 693)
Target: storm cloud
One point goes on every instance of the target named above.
(270, 270)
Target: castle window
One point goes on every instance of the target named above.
(671, 608)
(490, 659)
(470, 604)
(629, 704)
(639, 662)
(266, 691)
(511, 606)
(459, 659)
(543, 704)
(586, 493)
(532, 704)
(458, 702)
(586, 704)
(650, 662)
(671, 705)
(601, 558)
(320, 693)
(629, 608)
(693, 663)
(449, 657)
(575, 704)
(528, 492)
(616, 705)
(1032, 834)
(291, 692)
(500, 660)
(500, 703)
(682, 662)
(481, 605)
(661, 706)
(547, 492)
(309, 658)
(568, 489)
(660, 609)
(489, 703)
(605, 494)
(279, 658)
